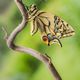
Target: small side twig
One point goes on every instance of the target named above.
(10, 42)
(5, 32)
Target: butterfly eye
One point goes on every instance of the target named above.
(49, 37)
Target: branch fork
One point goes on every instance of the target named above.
(10, 42)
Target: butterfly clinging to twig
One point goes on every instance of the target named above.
(52, 27)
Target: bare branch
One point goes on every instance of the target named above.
(10, 42)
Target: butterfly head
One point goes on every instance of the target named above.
(50, 39)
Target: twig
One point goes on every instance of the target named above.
(10, 42)
(5, 32)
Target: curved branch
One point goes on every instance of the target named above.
(10, 42)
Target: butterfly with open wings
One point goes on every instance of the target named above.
(52, 27)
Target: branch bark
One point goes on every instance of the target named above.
(10, 42)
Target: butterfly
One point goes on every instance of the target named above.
(51, 27)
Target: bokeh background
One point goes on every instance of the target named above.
(19, 66)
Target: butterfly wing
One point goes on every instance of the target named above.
(56, 25)
(34, 27)
(48, 23)
(61, 28)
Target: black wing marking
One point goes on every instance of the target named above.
(61, 28)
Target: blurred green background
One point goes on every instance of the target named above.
(19, 66)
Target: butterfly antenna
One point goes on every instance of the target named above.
(59, 42)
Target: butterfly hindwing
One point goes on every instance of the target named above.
(47, 21)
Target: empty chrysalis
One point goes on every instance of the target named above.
(51, 27)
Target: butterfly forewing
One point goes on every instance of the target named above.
(61, 28)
